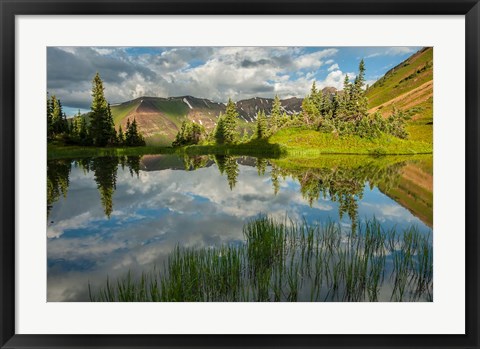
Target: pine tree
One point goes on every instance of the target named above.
(361, 104)
(261, 125)
(189, 133)
(345, 104)
(230, 122)
(56, 116)
(310, 111)
(102, 130)
(83, 132)
(120, 136)
(219, 132)
(335, 105)
(316, 97)
(132, 137)
(275, 115)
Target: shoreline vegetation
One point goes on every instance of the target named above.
(289, 261)
(292, 142)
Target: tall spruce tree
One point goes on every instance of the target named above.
(361, 102)
(219, 131)
(230, 122)
(316, 97)
(275, 115)
(261, 125)
(102, 130)
(83, 132)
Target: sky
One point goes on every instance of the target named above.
(215, 73)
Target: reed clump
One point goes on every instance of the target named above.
(290, 261)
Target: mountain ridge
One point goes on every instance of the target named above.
(160, 118)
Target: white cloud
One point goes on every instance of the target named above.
(211, 72)
(335, 79)
(333, 67)
(314, 60)
(392, 51)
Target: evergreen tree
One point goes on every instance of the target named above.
(83, 132)
(58, 120)
(219, 132)
(275, 115)
(189, 133)
(345, 103)
(335, 106)
(132, 137)
(245, 136)
(261, 125)
(361, 104)
(230, 123)
(120, 136)
(310, 111)
(316, 97)
(102, 130)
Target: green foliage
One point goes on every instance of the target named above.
(102, 130)
(189, 133)
(262, 126)
(225, 131)
(132, 137)
(346, 113)
(219, 131)
(57, 125)
(98, 131)
(120, 135)
(311, 114)
(276, 115)
(230, 121)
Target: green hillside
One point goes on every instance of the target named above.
(409, 87)
(405, 77)
(120, 111)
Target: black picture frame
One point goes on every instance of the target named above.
(10, 8)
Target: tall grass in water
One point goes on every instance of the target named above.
(290, 261)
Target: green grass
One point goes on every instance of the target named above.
(305, 142)
(391, 86)
(119, 112)
(289, 261)
(175, 110)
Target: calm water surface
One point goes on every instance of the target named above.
(109, 215)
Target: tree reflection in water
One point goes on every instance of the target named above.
(340, 180)
(104, 173)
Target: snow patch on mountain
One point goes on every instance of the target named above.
(185, 101)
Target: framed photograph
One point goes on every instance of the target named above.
(200, 174)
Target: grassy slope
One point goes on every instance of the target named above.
(390, 86)
(174, 110)
(409, 87)
(119, 112)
